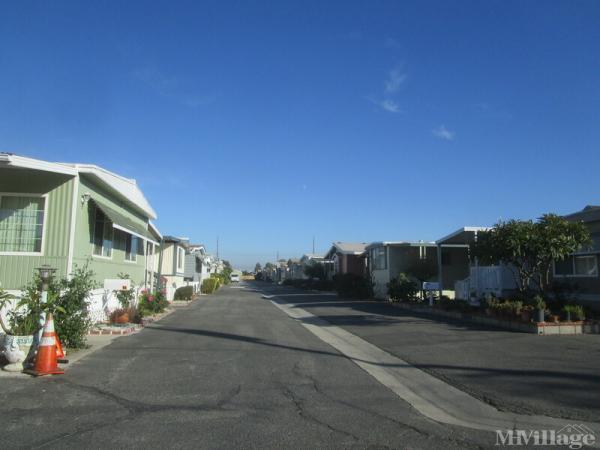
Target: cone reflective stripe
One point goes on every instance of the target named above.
(46, 361)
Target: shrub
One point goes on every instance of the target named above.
(210, 285)
(402, 288)
(353, 286)
(73, 325)
(184, 293)
(152, 303)
(67, 298)
(135, 316)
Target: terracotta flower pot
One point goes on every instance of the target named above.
(554, 318)
(123, 318)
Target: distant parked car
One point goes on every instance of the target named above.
(235, 277)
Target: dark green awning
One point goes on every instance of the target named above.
(122, 222)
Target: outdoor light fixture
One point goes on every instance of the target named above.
(85, 198)
(46, 273)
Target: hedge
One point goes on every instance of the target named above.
(210, 285)
(184, 293)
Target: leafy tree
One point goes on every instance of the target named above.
(257, 268)
(315, 270)
(402, 288)
(423, 270)
(529, 248)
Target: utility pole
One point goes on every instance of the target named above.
(217, 248)
(313, 245)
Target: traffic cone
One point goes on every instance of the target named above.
(61, 356)
(46, 362)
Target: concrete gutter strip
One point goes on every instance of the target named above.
(429, 395)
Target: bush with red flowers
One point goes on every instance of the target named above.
(152, 302)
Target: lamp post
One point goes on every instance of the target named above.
(46, 273)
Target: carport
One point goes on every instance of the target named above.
(462, 238)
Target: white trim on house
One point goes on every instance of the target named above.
(463, 230)
(125, 188)
(155, 229)
(44, 223)
(179, 268)
(20, 162)
(74, 205)
(127, 230)
(107, 258)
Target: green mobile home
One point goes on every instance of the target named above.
(67, 215)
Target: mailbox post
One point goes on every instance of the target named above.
(430, 287)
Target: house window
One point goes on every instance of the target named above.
(379, 258)
(586, 266)
(180, 257)
(131, 247)
(103, 235)
(21, 223)
(577, 266)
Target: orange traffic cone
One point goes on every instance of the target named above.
(61, 356)
(46, 362)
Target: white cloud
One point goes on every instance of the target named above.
(390, 106)
(443, 133)
(386, 104)
(395, 79)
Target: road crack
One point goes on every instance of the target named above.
(302, 412)
(133, 409)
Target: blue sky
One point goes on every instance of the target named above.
(266, 123)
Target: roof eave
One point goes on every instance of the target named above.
(21, 162)
(463, 230)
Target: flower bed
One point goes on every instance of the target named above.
(542, 328)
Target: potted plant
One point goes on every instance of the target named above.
(526, 313)
(567, 311)
(125, 296)
(540, 308)
(578, 312)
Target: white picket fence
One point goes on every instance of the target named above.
(496, 280)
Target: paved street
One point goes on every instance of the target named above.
(519, 372)
(229, 371)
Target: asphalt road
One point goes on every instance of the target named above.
(229, 371)
(557, 376)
